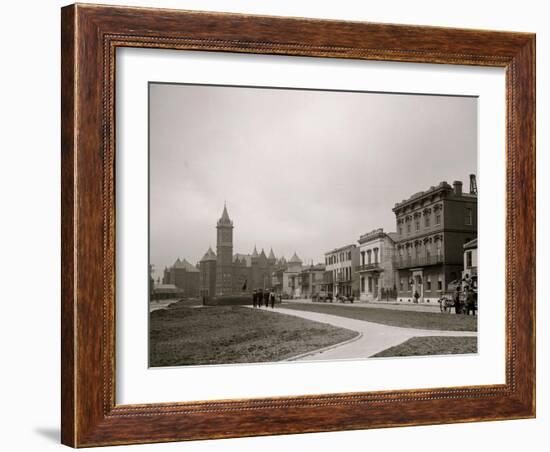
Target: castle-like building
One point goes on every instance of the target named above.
(226, 273)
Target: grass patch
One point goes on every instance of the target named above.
(183, 335)
(394, 317)
(432, 345)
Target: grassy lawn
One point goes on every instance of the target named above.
(432, 345)
(183, 335)
(393, 317)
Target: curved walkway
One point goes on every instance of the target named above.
(374, 338)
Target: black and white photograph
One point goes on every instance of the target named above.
(301, 225)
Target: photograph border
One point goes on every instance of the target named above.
(90, 35)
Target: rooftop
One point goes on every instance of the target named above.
(295, 259)
(209, 255)
(184, 264)
(342, 248)
(376, 233)
(441, 187)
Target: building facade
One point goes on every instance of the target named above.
(292, 281)
(432, 227)
(312, 280)
(377, 275)
(228, 273)
(470, 259)
(341, 264)
(184, 276)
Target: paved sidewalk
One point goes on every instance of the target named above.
(375, 337)
(425, 307)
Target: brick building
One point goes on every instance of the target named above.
(184, 276)
(377, 276)
(432, 227)
(229, 273)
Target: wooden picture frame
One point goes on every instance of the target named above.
(90, 35)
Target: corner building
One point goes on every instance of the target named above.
(432, 227)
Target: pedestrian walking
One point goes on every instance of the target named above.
(266, 298)
(416, 296)
(254, 298)
(260, 296)
(272, 299)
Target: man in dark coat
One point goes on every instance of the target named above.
(272, 299)
(260, 296)
(254, 298)
(266, 298)
(458, 301)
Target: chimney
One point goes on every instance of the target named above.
(457, 187)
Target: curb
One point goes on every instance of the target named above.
(324, 349)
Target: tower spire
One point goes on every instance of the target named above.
(225, 220)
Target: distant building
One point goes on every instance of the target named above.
(312, 280)
(227, 273)
(184, 276)
(341, 264)
(470, 259)
(432, 227)
(292, 282)
(377, 276)
(166, 291)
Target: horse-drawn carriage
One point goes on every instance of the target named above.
(460, 295)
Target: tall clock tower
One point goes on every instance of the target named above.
(224, 266)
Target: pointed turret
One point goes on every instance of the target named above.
(209, 255)
(295, 259)
(262, 254)
(225, 220)
(255, 252)
(272, 255)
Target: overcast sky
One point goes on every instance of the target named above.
(304, 171)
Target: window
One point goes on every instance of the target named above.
(370, 284)
(468, 259)
(400, 229)
(369, 255)
(468, 220)
(428, 284)
(439, 285)
(438, 219)
(427, 221)
(408, 228)
(375, 255)
(401, 284)
(362, 284)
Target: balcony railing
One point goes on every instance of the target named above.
(369, 267)
(419, 261)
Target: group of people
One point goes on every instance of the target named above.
(465, 303)
(264, 297)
